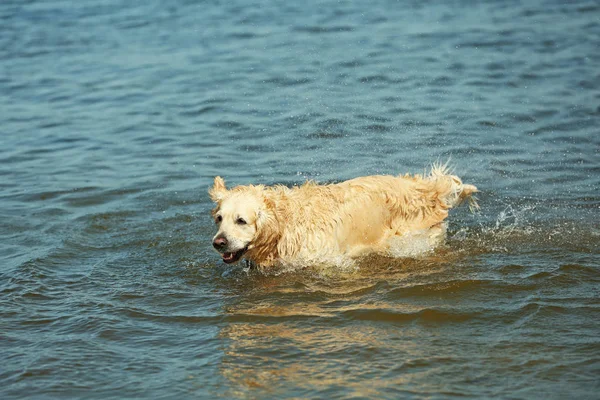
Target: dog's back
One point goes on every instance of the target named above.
(367, 214)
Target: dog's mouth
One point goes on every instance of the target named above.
(230, 258)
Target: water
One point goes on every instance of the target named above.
(116, 115)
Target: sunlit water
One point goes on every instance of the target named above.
(115, 115)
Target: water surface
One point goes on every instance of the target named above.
(117, 114)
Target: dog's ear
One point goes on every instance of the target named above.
(267, 225)
(217, 192)
(266, 214)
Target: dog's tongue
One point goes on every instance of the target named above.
(228, 256)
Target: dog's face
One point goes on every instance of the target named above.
(238, 215)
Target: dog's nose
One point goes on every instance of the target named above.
(220, 243)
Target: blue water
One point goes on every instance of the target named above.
(115, 116)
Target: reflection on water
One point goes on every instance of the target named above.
(309, 328)
(313, 371)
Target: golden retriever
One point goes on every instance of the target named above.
(335, 223)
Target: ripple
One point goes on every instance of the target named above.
(448, 288)
(377, 128)
(426, 315)
(287, 81)
(488, 44)
(325, 135)
(377, 79)
(199, 111)
(323, 29)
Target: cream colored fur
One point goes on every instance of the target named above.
(335, 223)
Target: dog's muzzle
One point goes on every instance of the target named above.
(230, 258)
(221, 244)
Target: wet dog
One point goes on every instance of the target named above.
(334, 223)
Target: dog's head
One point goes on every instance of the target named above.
(244, 217)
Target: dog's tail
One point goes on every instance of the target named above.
(456, 191)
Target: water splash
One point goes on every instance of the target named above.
(511, 220)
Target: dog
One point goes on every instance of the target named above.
(332, 223)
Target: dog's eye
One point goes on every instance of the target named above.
(241, 221)
(218, 219)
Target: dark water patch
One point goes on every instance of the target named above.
(356, 63)
(332, 123)
(570, 126)
(45, 196)
(377, 128)
(442, 81)
(529, 76)
(373, 118)
(323, 29)
(97, 197)
(325, 135)
(139, 314)
(399, 110)
(287, 81)
(523, 118)
(376, 79)
(298, 119)
(497, 76)
(486, 83)
(484, 44)
(446, 289)
(423, 316)
(581, 273)
(588, 8)
(416, 123)
(229, 124)
(199, 111)
(257, 148)
(487, 123)
(243, 35)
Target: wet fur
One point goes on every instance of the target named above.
(331, 223)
